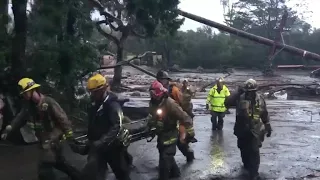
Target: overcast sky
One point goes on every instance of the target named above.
(213, 10)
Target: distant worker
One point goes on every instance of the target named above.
(185, 85)
(252, 123)
(187, 95)
(50, 124)
(215, 103)
(175, 94)
(166, 113)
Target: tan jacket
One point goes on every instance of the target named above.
(48, 120)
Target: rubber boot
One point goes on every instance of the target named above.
(255, 176)
(190, 156)
(214, 124)
(220, 125)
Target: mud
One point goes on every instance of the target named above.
(292, 152)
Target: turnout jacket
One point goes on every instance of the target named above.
(165, 118)
(105, 121)
(251, 115)
(47, 118)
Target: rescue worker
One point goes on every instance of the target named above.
(50, 124)
(175, 94)
(185, 85)
(107, 137)
(187, 95)
(252, 123)
(215, 103)
(166, 113)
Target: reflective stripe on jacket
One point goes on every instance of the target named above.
(216, 99)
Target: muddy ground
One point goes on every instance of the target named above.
(292, 152)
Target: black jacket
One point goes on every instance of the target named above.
(104, 121)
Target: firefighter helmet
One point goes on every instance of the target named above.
(251, 85)
(157, 90)
(220, 79)
(162, 75)
(96, 82)
(27, 84)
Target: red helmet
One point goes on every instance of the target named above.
(157, 90)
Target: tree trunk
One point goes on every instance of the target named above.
(18, 64)
(4, 40)
(67, 81)
(3, 20)
(118, 70)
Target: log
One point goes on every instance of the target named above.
(252, 37)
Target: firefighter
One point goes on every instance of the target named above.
(107, 137)
(50, 124)
(252, 124)
(166, 113)
(185, 85)
(215, 103)
(175, 94)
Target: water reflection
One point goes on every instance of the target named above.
(217, 152)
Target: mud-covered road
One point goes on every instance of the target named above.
(292, 152)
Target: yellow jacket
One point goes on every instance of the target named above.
(215, 100)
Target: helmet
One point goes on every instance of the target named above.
(96, 82)
(27, 84)
(250, 85)
(163, 75)
(157, 90)
(220, 79)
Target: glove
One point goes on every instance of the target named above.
(6, 131)
(268, 129)
(240, 90)
(207, 106)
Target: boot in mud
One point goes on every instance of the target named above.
(175, 173)
(190, 157)
(255, 176)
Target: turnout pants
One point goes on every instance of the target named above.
(51, 158)
(97, 161)
(168, 167)
(186, 151)
(217, 124)
(250, 154)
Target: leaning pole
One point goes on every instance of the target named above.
(252, 37)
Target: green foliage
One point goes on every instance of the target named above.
(150, 14)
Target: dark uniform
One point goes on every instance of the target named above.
(252, 122)
(106, 135)
(166, 116)
(50, 123)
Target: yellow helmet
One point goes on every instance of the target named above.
(27, 84)
(96, 82)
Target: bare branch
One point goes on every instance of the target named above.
(143, 36)
(107, 22)
(102, 11)
(118, 5)
(109, 36)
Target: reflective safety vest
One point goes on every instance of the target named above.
(216, 100)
